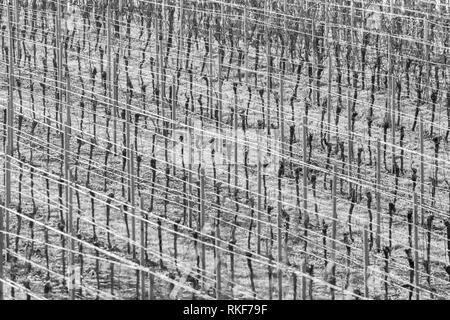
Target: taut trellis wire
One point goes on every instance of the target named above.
(234, 149)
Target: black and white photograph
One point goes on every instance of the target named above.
(231, 150)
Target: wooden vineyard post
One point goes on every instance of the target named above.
(202, 225)
(218, 266)
(17, 21)
(161, 60)
(337, 40)
(350, 143)
(416, 246)
(314, 63)
(109, 70)
(220, 98)
(210, 65)
(157, 62)
(305, 201)
(366, 261)
(304, 265)
(350, 105)
(235, 138)
(16, 36)
(268, 84)
(131, 176)
(259, 199)
(17, 11)
(180, 42)
(422, 171)
(142, 245)
(246, 50)
(2, 229)
(174, 127)
(116, 101)
(281, 106)
(59, 53)
(124, 213)
(393, 88)
(130, 168)
(426, 58)
(71, 282)
(391, 97)
(389, 66)
(64, 127)
(280, 179)
(68, 103)
(378, 196)
(10, 128)
(151, 286)
(190, 157)
(119, 18)
(305, 179)
(111, 270)
(333, 232)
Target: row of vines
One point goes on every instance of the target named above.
(239, 149)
